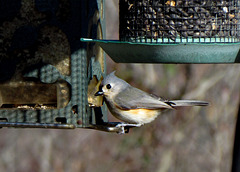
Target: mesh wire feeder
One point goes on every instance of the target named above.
(44, 71)
(179, 21)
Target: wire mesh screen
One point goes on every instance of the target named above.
(176, 21)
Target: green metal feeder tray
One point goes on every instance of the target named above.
(127, 52)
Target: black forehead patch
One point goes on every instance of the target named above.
(100, 88)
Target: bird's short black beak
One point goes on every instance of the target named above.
(99, 93)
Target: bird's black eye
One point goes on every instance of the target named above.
(108, 86)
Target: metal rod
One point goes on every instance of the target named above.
(111, 127)
(36, 125)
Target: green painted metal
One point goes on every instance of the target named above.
(127, 52)
(68, 71)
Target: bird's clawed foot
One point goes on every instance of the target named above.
(124, 128)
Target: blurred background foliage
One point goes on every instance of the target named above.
(190, 139)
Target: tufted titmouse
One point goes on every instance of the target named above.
(133, 105)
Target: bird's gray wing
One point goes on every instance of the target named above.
(133, 98)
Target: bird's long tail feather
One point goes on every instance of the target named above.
(179, 103)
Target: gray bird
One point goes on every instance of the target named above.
(133, 105)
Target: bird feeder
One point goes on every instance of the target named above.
(46, 73)
(176, 31)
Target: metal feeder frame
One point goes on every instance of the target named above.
(176, 31)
